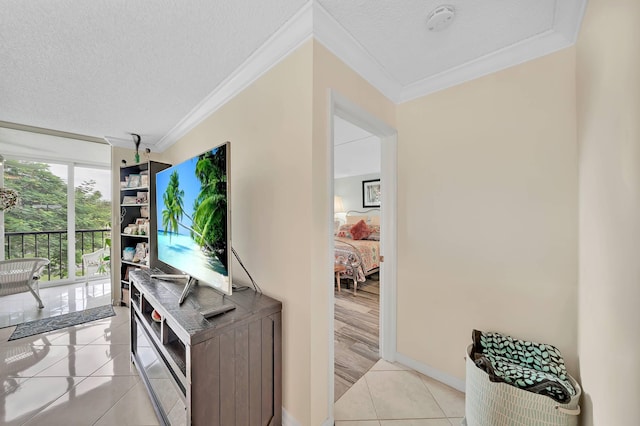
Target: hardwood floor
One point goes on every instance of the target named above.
(356, 333)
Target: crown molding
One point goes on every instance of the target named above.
(283, 42)
(515, 54)
(333, 36)
(313, 20)
(568, 18)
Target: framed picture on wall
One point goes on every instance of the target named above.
(371, 193)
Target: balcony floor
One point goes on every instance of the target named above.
(22, 307)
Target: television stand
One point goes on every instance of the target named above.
(219, 371)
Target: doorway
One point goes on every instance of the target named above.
(345, 110)
(356, 189)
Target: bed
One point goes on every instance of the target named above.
(361, 257)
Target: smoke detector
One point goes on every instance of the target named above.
(440, 18)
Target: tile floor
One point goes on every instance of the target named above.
(80, 375)
(393, 395)
(83, 375)
(22, 307)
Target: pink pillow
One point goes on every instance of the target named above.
(360, 230)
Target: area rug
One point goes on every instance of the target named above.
(30, 328)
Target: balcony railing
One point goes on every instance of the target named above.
(53, 246)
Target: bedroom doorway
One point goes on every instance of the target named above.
(356, 188)
(362, 324)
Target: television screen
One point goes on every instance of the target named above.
(192, 210)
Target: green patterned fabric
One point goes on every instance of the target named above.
(536, 367)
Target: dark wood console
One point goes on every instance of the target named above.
(225, 370)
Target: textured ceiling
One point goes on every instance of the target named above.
(108, 68)
(395, 33)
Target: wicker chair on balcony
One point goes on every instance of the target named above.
(95, 264)
(19, 275)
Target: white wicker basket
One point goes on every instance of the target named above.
(499, 404)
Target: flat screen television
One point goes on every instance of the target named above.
(193, 215)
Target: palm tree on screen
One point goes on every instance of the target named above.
(173, 202)
(210, 207)
(173, 198)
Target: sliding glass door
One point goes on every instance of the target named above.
(92, 221)
(50, 210)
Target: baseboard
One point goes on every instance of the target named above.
(434, 373)
(288, 420)
(447, 379)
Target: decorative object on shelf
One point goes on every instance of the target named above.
(129, 199)
(147, 154)
(133, 181)
(143, 226)
(141, 197)
(8, 199)
(136, 142)
(131, 229)
(128, 253)
(140, 253)
(124, 162)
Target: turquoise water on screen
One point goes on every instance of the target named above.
(181, 252)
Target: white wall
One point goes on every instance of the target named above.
(269, 127)
(350, 189)
(608, 92)
(487, 213)
(329, 73)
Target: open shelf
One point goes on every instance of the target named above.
(173, 350)
(138, 202)
(142, 265)
(137, 188)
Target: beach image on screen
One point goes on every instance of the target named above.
(192, 217)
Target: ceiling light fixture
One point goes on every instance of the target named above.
(440, 18)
